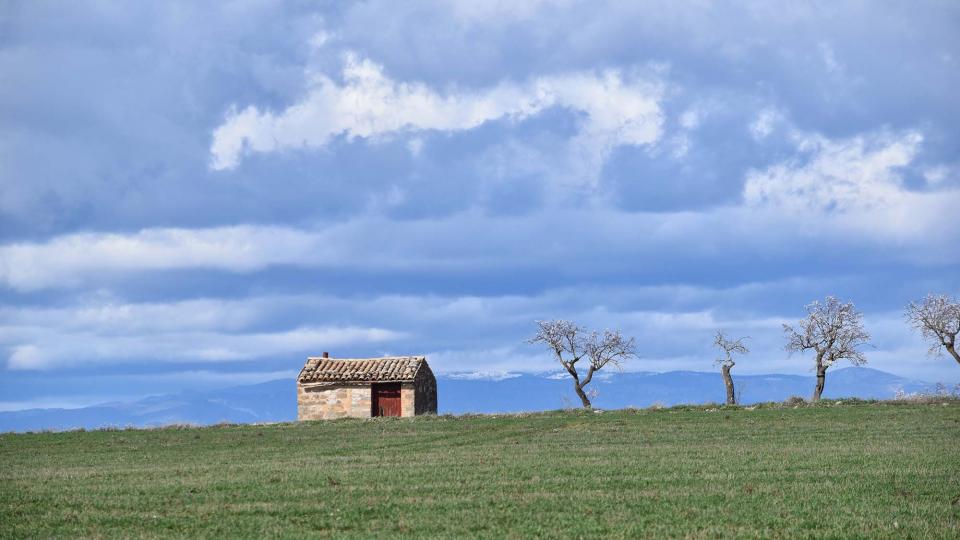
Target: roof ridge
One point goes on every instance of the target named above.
(383, 369)
(404, 357)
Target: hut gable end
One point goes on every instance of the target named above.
(364, 387)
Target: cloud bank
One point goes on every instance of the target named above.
(616, 109)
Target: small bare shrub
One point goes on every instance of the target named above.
(938, 393)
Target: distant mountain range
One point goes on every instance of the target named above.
(275, 401)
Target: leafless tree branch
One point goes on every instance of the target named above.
(937, 317)
(834, 331)
(729, 347)
(571, 343)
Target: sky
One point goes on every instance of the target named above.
(201, 194)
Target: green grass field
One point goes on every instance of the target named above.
(854, 470)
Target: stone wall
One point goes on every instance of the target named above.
(325, 401)
(407, 399)
(322, 401)
(426, 392)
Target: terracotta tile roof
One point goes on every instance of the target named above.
(387, 369)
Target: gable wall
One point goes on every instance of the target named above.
(425, 385)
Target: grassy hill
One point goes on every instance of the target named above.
(847, 470)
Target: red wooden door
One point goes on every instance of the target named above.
(386, 399)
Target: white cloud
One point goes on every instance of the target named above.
(498, 11)
(690, 119)
(197, 330)
(764, 124)
(112, 317)
(27, 357)
(415, 146)
(617, 110)
(64, 260)
(67, 349)
(844, 197)
(936, 175)
(829, 58)
(318, 40)
(680, 146)
(860, 173)
(854, 188)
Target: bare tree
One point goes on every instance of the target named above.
(834, 331)
(938, 318)
(729, 347)
(571, 343)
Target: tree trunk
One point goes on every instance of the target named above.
(821, 378)
(953, 352)
(578, 386)
(728, 382)
(583, 396)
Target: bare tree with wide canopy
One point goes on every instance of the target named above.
(834, 331)
(938, 318)
(571, 343)
(729, 347)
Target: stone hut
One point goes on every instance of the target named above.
(364, 387)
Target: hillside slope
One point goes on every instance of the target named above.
(827, 471)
